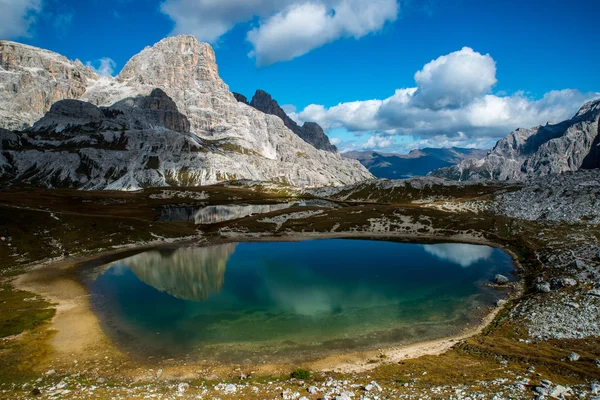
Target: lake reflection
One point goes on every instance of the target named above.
(270, 299)
(462, 254)
(220, 213)
(186, 273)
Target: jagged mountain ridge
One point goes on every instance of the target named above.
(541, 151)
(417, 163)
(310, 132)
(191, 132)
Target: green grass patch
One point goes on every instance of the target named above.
(300, 374)
(21, 311)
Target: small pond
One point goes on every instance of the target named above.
(204, 215)
(274, 301)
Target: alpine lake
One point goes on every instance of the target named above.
(263, 302)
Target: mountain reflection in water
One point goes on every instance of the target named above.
(190, 273)
(220, 213)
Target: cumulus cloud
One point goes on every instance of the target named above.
(464, 255)
(103, 66)
(17, 17)
(453, 80)
(285, 29)
(378, 142)
(452, 103)
(307, 26)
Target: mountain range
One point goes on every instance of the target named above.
(416, 163)
(545, 150)
(166, 120)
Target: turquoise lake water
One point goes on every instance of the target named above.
(273, 301)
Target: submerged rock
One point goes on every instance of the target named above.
(500, 279)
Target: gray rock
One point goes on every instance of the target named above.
(500, 303)
(343, 396)
(595, 388)
(183, 387)
(543, 287)
(500, 279)
(559, 391)
(313, 390)
(542, 391)
(559, 283)
(546, 383)
(574, 357)
(593, 292)
(230, 388)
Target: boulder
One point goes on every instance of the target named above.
(500, 280)
(543, 287)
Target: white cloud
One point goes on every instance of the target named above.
(455, 79)
(307, 26)
(103, 66)
(378, 142)
(286, 28)
(17, 17)
(464, 255)
(335, 141)
(451, 104)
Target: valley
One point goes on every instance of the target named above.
(544, 249)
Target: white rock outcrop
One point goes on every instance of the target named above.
(121, 133)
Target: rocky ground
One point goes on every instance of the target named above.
(542, 344)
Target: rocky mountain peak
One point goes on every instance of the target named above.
(175, 63)
(591, 107)
(310, 132)
(264, 102)
(566, 146)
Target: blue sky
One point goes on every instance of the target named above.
(486, 67)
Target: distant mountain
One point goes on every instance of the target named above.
(167, 119)
(416, 163)
(310, 132)
(544, 150)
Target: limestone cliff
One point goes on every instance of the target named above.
(166, 119)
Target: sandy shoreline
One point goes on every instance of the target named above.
(79, 336)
